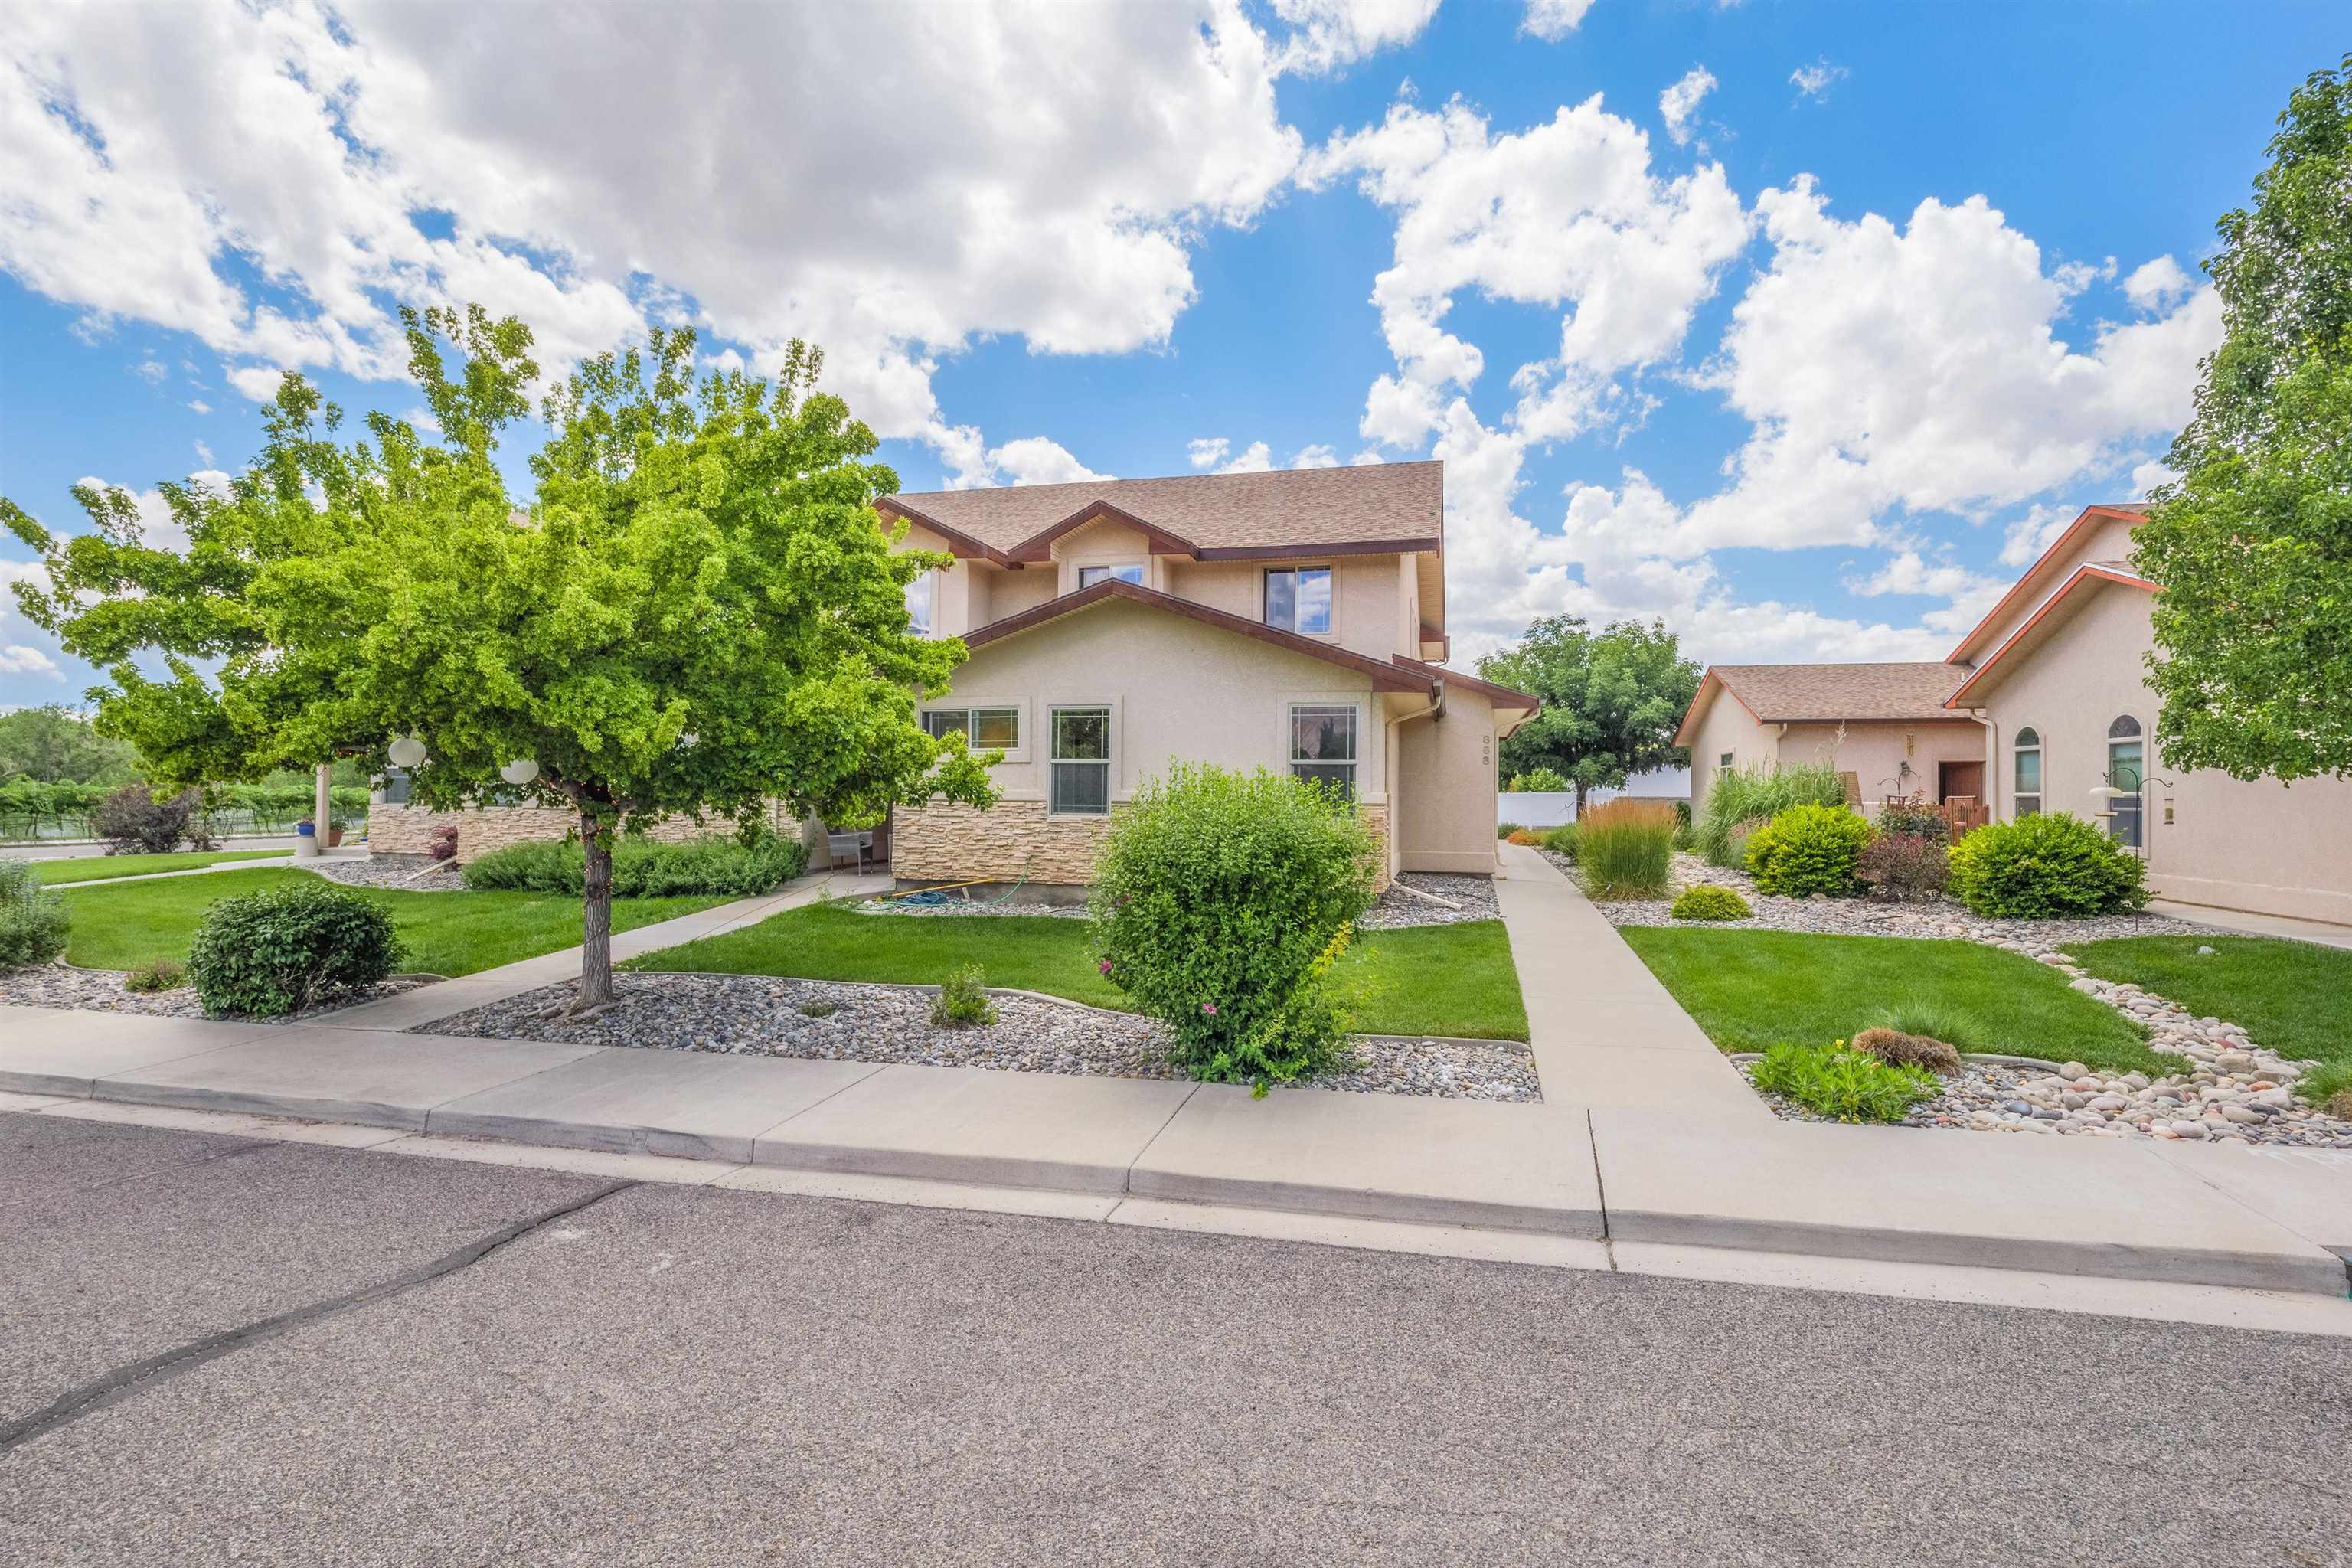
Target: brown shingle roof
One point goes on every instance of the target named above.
(1402, 505)
(1790, 693)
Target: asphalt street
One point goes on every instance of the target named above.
(222, 1351)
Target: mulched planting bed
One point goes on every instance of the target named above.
(741, 1015)
(101, 990)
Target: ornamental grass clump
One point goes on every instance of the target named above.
(2048, 865)
(1743, 796)
(1708, 902)
(1899, 1049)
(1626, 848)
(155, 975)
(1808, 849)
(34, 924)
(1221, 903)
(1842, 1083)
(1561, 841)
(265, 954)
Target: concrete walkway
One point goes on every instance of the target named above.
(2325, 933)
(1606, 1034)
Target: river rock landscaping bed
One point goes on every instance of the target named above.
(101, 990)
(367, 872)
(742, 1014)
(1473, 898)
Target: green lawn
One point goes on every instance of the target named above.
(1750, 989)
(95, 868)
(2294, 997)
(1434, 980)
(118, 926)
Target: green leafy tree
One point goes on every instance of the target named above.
(57, 746)
(1611, 700)
(2252, 546)
(699, 610)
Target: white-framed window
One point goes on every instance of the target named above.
(1080, 770)
(1723, 763)
(920, 594)
(1299, 599)
(2126, 770)
(2025, 794)
(1120, 571)
(1323, 745)
(986, 728)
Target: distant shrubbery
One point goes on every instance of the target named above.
(1561, 841)
(33, 921)
(265, 954)
(133, 822)
(1743, 797)
(715, 865)
(1538, 781)
(1221, 901)
(1807, 849)
(1505, 830)
(1626, 848)
(2047, 865)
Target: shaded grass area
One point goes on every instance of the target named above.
(1422, 980)
(2291, 997)
(129, 923)
(1749, 990)
(96, 867)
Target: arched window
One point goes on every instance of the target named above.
(2025, 797)
(2126, 769)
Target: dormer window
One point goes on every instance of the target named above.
(1121, 572)
(1299, 599)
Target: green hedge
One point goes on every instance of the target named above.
(715, 865)
(2048, 865)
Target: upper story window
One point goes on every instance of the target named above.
(2025, 799)
(1123, 572)
(920, 594)
(1298, 598)
(987, 728)
(1323, 746)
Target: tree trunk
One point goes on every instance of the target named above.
(1580, 800)
(596, 945)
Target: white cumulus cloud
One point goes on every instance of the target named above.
(1553, 20)
(1816, 81)
(1678, 105)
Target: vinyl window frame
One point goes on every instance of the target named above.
(1055, 803)
(1330, 626)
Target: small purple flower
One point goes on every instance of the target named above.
(1105, 966)
(1210, 1009)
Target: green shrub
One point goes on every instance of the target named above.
(2048, 865)
(1904, 867)
(1842, 1084)
(1936, 1021)
(155, 975)
(962, 1001)
(1915, 817)
(265, 954)
(1538, 781)
(1707, 903)
(1807, 849)
(1561, 841)
(34, 924)
(1220, 904)
(1626, 848)
(1505, 830)
(1749, 794)
(714, 865)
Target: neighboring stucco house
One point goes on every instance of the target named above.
(1285, 619)
(2043, 704)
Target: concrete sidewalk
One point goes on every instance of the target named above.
(1609, 1174)
(2325, 932)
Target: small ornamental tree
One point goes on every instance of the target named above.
(1611, 700)
(699, 609)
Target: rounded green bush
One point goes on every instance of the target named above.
(1221, 901)
(1807, 849)
(265, 954)
(1708, 902)
(2050, 864)
(34, 924)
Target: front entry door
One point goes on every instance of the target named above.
(1960, 779)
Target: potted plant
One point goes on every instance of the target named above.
(307, 828)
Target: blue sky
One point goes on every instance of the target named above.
(1805, 359)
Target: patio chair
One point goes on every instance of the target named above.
(856, 846)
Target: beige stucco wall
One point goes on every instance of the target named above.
(2283, 849)
(2109, 539)
(1366, 592)
(1875, 752)
(1727, 727)
(1444, 809)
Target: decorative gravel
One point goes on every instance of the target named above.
(957, 904)
(101, 990)
(1475, 895)
(366, 872)
(744, 1015)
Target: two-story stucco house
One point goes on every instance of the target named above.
(1286, 619)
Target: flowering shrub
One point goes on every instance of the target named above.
(1904, 866)
(1221, 903)
(2049, 863)
(1807, 849)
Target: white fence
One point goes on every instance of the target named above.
(1555, 809)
